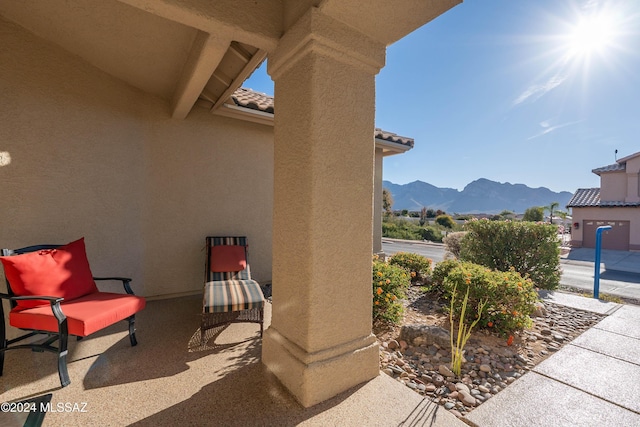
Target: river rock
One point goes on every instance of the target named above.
(466, 398)
(425, 335)
(445, 371)
(462, 387)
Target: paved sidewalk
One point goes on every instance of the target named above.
(592, 381)
(610, 260)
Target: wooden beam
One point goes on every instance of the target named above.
(205, 55)
(253, 63)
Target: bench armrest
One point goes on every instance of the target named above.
(125, 282)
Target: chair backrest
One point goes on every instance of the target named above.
(10, 252)
(234, 252)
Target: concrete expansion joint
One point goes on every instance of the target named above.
(613, 310)
(602, 353)
(585, 391)
(318, 33)
(324, 355)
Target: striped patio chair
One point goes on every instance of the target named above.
(230, 295)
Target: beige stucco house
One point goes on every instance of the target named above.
(112, 129)
(615, 203)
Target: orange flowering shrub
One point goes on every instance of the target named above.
(389, 284)
(418, 266)
(510, 298)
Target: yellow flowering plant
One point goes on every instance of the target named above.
(418, 266)
(510, 298)
(389, 285)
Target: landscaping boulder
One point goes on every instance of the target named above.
(425, 335)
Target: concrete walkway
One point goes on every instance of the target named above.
(626, 261)
(592, 381)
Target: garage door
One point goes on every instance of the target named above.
(617, 238)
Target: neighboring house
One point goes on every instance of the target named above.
(615, 203)
(103, 136)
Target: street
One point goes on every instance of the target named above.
(434, 251)
(575, 274)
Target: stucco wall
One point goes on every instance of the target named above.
(94, 157)
(613, 186)
(207, 175)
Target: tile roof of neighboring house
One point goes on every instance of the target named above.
(585, 197)
(610, 168)
(629, 157)
(620, 165)
(590, 197)
(253, 100)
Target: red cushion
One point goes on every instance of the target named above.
(62, 272)
(228, 258)
(85, 315)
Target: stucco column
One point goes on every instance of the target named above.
(377, 202)
(320, 342)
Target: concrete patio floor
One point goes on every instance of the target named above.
(171, 379)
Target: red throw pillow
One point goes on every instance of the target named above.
(226, 258)
(61, 272)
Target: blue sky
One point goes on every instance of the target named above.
(537, 92)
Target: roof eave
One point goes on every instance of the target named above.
(391, 148)
(243, 113)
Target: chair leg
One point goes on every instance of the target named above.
(132, 330)
(261, 321)
(63, 373)
(3, 339)
(4, 346)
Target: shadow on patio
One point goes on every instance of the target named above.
(171, 379)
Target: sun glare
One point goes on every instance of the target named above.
(592, 34)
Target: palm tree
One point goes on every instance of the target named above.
(551, 208)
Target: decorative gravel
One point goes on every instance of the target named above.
(417, 353)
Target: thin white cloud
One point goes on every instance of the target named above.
(537, 91)
(547, 128)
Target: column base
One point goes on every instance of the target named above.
(315, 377)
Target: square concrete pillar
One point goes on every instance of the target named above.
(377, 202)
(320, 341)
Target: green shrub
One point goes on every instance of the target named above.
(453, 243)
(534, 214)
(445, 221)
(431, 234)
(441, 271)
(510, 299)
(389, 284)
(418, 266)
(398, 228)
(396, 231)
(531, 249)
